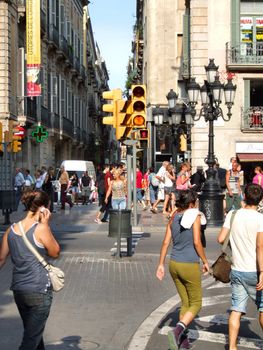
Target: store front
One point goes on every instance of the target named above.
(250, 155)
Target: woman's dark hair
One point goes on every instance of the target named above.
(185, 198)
(253, 194)
(33, 200)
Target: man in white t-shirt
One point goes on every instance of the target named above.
(246, 239)
(160, 177)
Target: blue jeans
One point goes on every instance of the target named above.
(118, 204)
(34, 310)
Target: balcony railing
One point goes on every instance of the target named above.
(244, 55)
(63, 45)
(77, 64)
(252, 119)
(68, 127)
(43, 20)
(45, 117)
(53, 35)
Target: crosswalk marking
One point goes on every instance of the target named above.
(220, 319)
(249, 343)
(214, 300)
(219, 285)
(136, 236)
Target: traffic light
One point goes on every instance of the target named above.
(120, 116)
(183, 143)
(112, 108)
(11, 137)
(143, 137)
(17, 146)
(138, 106)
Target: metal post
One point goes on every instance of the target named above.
(211, 197)
(132, 143)
(119, 235)
(129, 172)
(135, 220)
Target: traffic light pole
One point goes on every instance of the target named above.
(131, 144)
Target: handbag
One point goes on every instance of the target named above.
(221, 268)
(56, 275)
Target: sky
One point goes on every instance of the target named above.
(112, 24)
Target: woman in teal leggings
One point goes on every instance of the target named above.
(184, 229)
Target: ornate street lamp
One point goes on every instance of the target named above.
(211, 197)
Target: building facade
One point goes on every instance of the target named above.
(179, 38)
(73, 77)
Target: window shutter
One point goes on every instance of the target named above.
(186, 45)
(62, 97)
(62, 21)
(247, 94)
(54, 94)
(69, 33)
(235, 22)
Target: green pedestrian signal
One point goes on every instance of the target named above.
(40, 133)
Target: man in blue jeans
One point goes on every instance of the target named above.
(246, 239)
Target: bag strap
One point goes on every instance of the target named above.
(31, 248)
(224, 246)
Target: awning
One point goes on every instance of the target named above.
(250, 157)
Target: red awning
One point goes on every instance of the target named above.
(250, 157)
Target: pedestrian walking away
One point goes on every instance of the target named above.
(184, 229)
(31, 284)
(246, 240)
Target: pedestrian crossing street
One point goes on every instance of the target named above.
(136, 236)
(217, 321)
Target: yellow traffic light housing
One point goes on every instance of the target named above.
(183, 143)
(143, 138)
(11, 138)
(17, 146)
(120, 116)
(138, 106)
(112, 108)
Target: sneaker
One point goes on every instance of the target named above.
(103, 220)
(174, 337)
(154, 210)
(185, 344)
(98, 221)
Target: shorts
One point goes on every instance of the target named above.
(243, 285)
(168, 190)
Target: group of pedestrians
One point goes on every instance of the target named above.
(246, 239)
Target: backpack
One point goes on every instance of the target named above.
(154, 181)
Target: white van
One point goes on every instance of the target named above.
(79, 167)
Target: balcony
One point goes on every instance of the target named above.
(68, 127)
(43, 21)
(252, 119)
(63, 51)
(244, 57)
(53, 36)
(83, 72)
(45, 117)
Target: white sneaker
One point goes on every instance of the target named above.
(98, 221)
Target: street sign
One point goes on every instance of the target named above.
(20, 132)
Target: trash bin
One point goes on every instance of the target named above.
(7, 200)
(120, 227)
(120, 223)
